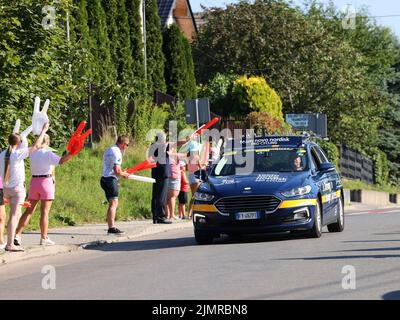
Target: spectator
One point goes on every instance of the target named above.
(112, 161)
(12, 173)
(182, 197)
(174, 183)
(158, 152)
(194, 165)
(42, 188)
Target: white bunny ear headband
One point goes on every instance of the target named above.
(39, 118)
(17, 126)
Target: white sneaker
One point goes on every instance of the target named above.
(17, 240)
(47, 242)
(2, 246)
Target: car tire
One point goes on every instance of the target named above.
(316, 230)
(203, 237)
(338, 226)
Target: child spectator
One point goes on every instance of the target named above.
(183, 192)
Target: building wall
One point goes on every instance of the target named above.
(183, 19)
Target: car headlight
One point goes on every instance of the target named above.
(203, 196)
(300, 191)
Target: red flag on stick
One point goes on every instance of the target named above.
(144, 165)
(206, 126)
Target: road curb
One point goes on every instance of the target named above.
(38, 252)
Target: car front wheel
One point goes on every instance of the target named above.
(316, 230)
(338, 226)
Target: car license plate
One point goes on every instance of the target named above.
(247, 215)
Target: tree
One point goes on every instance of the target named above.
(105, 72)
(389, 134)
(216, 90)
(34, 61)
(251, 94)
(191, 88)
(176, 68)
(83, 68)
(134, 18)
(155, 56)
(119, 36)
(309, 66)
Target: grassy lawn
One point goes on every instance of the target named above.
(356, 184)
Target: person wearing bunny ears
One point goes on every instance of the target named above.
(12, 173)
(42, 189)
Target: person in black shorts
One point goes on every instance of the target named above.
(112, 161)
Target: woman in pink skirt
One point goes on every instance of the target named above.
(42, 188)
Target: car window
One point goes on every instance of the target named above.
(314, 160)
(322, 156)
(263, 160)
(315, 157)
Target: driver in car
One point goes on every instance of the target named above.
(297, 164)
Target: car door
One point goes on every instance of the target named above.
(322, 180)
(332, 178)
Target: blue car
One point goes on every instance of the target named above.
(269, 184)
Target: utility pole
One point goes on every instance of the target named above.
(143, 11)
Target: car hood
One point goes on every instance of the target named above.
(255, 184)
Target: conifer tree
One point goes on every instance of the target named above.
(133, 8)
(105, 72)
(179, 71)
(155, 56)
(82, 68)
(190, 82)
(175, 68)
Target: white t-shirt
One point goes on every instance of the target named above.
(112, 157)
(17, 167)
(43, 161)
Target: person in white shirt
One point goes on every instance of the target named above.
(112, 161)
(12, 173)
(42, 188)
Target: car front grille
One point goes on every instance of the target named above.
(247, 204)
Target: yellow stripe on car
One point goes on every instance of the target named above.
(204, 208)
(297, 203)
(331, 196)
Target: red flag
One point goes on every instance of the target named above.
(144, 165)
(206, 126)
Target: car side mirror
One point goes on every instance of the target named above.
(325, 167)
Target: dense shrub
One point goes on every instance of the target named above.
(254, 94)
(266, 124)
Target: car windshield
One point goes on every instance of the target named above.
(261, 160)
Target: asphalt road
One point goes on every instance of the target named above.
(171, 266)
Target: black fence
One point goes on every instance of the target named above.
(354, 165)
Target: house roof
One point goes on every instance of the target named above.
(165, 8)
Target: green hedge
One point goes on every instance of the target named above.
(381, 167)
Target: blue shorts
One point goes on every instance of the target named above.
(174, 184)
